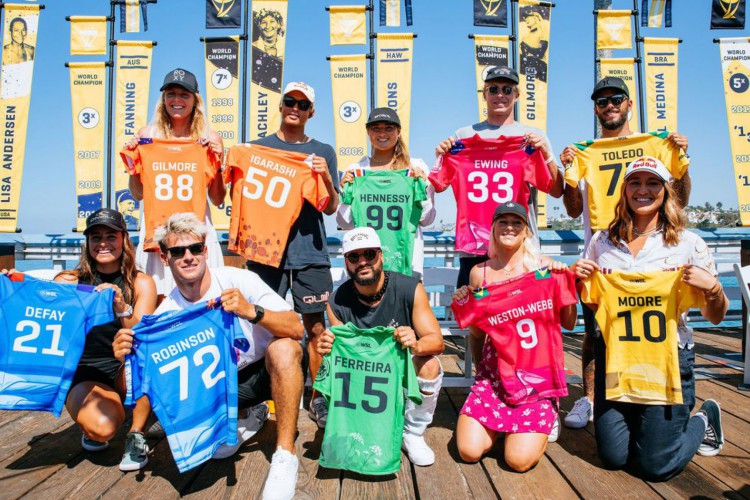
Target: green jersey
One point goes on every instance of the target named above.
(391, 203)
(365, 379)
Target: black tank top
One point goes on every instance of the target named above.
(99, 339)
(393, 310)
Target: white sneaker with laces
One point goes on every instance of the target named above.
(555, 433)
(417, 450)
(282, 476)
(581, 414)
(246, 428)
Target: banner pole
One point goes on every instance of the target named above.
(639, 67)
(245, 37)
(514, 46)
(108, 180)
(599, 54)
(371, 36)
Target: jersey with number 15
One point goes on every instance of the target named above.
(175, 176)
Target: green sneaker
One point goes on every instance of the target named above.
(136, 452)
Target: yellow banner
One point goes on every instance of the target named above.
(267, 66)
(88, 35)
(613, 30)
(132, 77)
(132, 16)
(392, 12)
(624, 68)
(735, 66)
(223, 104)
(349, 89)
(489, 50)
(395, 52)
(19, 41)
(660, 55)
(87, 93)
(348, 24)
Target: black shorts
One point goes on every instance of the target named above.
(311, 286)
(103, 370)
(465, 266)
(254, 382)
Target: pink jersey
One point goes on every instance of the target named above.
(522, 318)
(485, 173)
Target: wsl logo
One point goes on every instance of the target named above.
(223, 7)
(491, 6)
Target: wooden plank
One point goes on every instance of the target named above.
(694, 482)
(10, 416)
(313, 481)
(731, 337)
(731, 401)
(732, 466)
(736, 430)
(28, 428)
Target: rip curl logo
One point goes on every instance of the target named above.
(178, 74)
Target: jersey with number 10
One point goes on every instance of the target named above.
(43, 328)
(391, 203)
(175, 176)
(638, 315)
(185, 362)
(363, 379)
(603, 162)
(269, 187)
(483, 174)
(522, 318)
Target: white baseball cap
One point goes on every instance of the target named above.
(649, 164)
(300, 87)
(358, 238)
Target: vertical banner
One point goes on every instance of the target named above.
(88, 35)
(728, 15)
(87, 94)
(223, 14)
(491, 13)
(223, 104)
(132, 81)
(349, 90)
(624, 68)
(654, 13)
(395, 51)
(735, 67)
(390, 12)
(534, 18)
(267, 70)
(613, 30)
(348, 24)
(489, 50)
(130, 16)
(660, 55)
(20, 29)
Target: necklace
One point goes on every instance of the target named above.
(646, 233)
(371, 299)
(509, 270)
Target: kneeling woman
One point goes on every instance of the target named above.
(520, 373)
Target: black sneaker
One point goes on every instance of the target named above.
(156, 431)
(714, 438)
(136, 452)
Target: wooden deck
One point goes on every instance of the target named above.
(41, 456)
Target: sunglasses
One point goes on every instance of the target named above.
(370, 254)
(303, 104)
(496, 89)
(179, 252)
(616, 100)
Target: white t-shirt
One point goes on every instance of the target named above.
(253, 289)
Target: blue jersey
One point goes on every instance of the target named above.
(186, 363)
(43, 329)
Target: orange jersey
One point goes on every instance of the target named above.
(175, 176)
(269, 187)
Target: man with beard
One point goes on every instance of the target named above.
(612, 107)
(373, 297)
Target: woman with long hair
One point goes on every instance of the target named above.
(642, 404)
(95, 398)
(519, 300)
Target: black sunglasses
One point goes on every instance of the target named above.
(179, 252)
(303, 104)
(616, 99)
(370, 254)
(496, 89)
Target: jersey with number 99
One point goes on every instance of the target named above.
(522, 318)
(43, 328)
(185, 362)
(175, 176)
(485, 173)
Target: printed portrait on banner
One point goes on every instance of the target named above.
(533, 33)
(268, 48)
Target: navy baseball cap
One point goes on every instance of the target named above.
(511, 207)
(387, 115)
(106, 217)
(501, 73)
(610, 82)
(183, 78)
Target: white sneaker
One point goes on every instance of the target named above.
(417, 450)
(282, 476)
(246, 428)
(581, 414)
(555, 432)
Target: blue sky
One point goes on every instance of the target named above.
(443, 96)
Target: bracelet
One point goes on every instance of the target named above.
(549, 160)
(126, 313)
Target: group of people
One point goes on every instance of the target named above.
(646, 233)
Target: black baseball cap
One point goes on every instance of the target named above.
(387, 115)
(511, 207)
(183, 78)
(610, 82)
(106, 217)
(501, 73)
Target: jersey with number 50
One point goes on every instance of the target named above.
(175, 176)
(185, 362)
(522, 318)
(269, 187)
(43, 328)
(485, 173)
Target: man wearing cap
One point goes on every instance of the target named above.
(612, 108)
(305, 267)
(374, 297)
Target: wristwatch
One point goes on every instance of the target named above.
(259, 313)
(126, 313)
